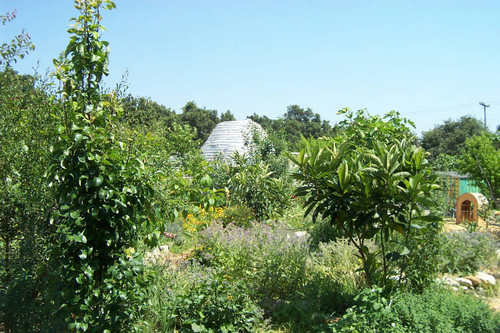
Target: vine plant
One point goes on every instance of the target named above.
(102, 198)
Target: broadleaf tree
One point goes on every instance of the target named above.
(102, 199)
(26, 132)
(372, 183)
(481, 160)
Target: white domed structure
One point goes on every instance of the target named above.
(229, 137)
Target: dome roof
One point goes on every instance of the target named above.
(229, 137)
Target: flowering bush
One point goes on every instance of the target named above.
(467, 252)
(196, 222)
(271, 259)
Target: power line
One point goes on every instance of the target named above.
(440, 109)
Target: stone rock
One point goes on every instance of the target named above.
(164, 248)
(465, 282)
(475, 280)
(451, 282)
(486, 278)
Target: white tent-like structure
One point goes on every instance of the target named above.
(229, 137)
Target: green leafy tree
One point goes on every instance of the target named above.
(227, 116)
(26, 203)
(200, 118)
(264, 121)
(261, 179)
(370, 182)
(481, 160)
(449, 138)
(17, 48)
(142, 112)
(304, 122)
(102, 198)
(254, 184)
(296, 122)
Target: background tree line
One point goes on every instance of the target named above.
(295, 122)
(461, 145)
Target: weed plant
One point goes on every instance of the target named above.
(334, 276)
(294, 286)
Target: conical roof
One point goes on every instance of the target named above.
(229, 137)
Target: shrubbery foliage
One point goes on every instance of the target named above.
(436, 310)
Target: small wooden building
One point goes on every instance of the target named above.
(453, 185)
(468, 206)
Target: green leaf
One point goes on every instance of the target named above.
(344, 178)
(83, 255)
(197, 328)
(78, 137)
(98, 181)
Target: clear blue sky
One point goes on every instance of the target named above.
(429, 60)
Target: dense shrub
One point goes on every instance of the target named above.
(260, 179)
(255, 185)
(238, 215)
(423, 255)
(467, 252)
(198, 299)
(26, 132)
(436, 310)
(323, 232)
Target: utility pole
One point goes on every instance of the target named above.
(484, 107)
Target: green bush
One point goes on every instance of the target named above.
(371, 183)
(26, 202)
(423, 257)
(197, 299)
(436, 310)
(323, 232)
(467, 252)
(238, 215)
(256, 186)
(103, 196)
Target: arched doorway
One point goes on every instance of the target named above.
(466, 211)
